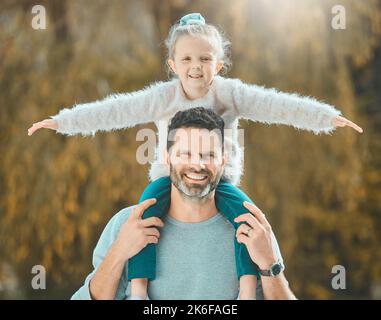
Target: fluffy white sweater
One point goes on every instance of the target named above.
(230, 98)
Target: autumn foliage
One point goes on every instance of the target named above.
(321, 193)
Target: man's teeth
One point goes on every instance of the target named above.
(195, 177)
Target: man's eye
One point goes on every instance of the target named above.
(208, 156)
(186, 59)
(185, 154)
(205, 59)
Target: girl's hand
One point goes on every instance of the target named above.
(342, 122)
(47, 123)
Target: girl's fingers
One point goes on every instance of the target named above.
(37, 126)
(47, 123)
(32, 129)
(354, 126)
(342, 122)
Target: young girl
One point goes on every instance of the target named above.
(197, 52)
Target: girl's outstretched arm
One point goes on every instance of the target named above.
(274, 107)
(116, 111)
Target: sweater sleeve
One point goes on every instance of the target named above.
(116, 111)
(270, 106)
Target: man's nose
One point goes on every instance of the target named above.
(198, 162)
(202, 164)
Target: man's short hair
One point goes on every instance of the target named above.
(195, 118)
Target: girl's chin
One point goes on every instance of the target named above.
(196, 84)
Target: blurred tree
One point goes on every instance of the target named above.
(321, 192)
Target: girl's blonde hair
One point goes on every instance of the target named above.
(214, 36)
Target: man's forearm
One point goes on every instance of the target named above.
(106, 280)
(276, 288)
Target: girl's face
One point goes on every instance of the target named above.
(195, 62)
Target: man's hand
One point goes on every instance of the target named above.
(256, 234)
(133, 236)
(136, 232)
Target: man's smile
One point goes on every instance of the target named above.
(195, 177)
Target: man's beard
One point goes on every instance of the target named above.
(194, 191)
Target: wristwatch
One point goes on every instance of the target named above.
(275, 269)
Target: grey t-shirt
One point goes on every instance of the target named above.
(195, 261)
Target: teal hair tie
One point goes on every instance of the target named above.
(192, 18)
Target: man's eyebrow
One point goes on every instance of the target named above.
(209, 153)
(207, 53)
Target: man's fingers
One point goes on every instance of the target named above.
(249, 219)
(152, 239)
(241, 238)
(257, 213)
(253, 209)
(139, 210)
(243, 228)
(152, 232)
(153, 221)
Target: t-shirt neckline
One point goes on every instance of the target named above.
(190, 225)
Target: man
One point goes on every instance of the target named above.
(195, 248)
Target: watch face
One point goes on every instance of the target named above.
(276, 269)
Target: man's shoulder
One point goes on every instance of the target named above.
(119, 218)
(123, 214)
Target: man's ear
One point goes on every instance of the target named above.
(219, 66)
(166, 158)
(171, 64)
(224, 158)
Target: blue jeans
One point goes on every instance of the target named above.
(229, 201)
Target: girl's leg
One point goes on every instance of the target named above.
(143, 265)
(229, 201)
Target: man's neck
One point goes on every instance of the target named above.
(188, 210)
